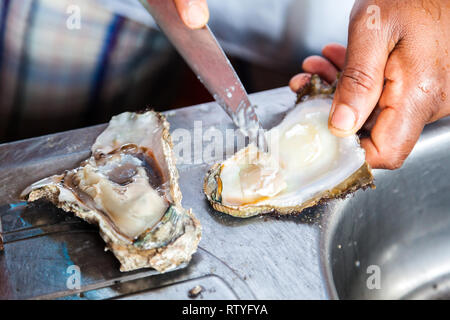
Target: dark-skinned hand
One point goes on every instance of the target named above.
(395, 75)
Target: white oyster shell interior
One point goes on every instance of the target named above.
(304, 160)
(133, 206)
(129, 188)
(126, 178)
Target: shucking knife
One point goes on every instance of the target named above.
(202, 52)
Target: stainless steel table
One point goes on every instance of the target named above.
(257, 258)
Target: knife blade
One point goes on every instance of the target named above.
(203, 54)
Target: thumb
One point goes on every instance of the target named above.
(361, 82)
(194, 13)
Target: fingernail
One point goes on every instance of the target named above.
(343, 118)
(197, 15)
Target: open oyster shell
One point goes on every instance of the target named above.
(305, 164)
(129, 188)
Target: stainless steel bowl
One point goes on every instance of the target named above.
(394, 242)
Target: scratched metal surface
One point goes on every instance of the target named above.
(257, 258)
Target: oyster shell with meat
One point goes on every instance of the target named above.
(129, 188)
(305, 164)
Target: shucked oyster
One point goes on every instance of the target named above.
(129, 188)
(305, 164)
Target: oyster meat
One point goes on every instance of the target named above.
(129, 188)
(305, 164)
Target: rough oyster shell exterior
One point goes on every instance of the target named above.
(165, 246)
